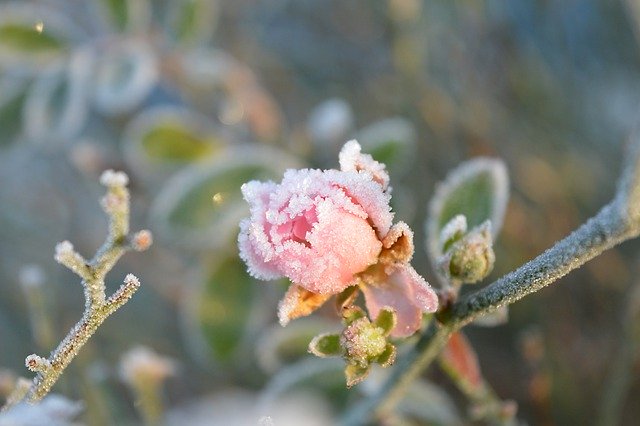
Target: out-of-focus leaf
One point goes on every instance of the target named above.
(31, 35)
(325, 374)
(11, 116)
(477, 189)
(24, 38)
(329, 126)
(391, 141)
(279, 345)
(219, 307)
(126, 15)
(164, 138)
(125, 75)
(55, 109)
(239, 99)
(201, 206)
(429, 403)
(192, 22)
(461, 361)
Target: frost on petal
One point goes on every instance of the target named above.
(368, 194)
(254, 249)
(353, 160)
(257, 193)
(340, 245)
(298, 302)
(407, 293)
(397, 245)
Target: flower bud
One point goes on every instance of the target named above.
(470, 259)
(363, 341)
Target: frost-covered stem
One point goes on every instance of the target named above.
(97, 306)
(615, 223)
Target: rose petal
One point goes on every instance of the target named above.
(367, 193)
(397, 245)
(254, 249)
(407, 293)
(353, 160)
(298, 302)
(340, 245)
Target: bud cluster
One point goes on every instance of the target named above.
(361, 343)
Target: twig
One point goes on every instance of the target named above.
(97, 306)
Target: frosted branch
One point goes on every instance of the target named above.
(97, 306)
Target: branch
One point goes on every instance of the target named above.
(97, 306)
(616, 222)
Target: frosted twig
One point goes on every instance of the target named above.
(97, 306)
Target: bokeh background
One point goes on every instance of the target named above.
(194, 97)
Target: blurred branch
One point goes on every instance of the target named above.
(97, 306)
(616, 388)
(618, 221)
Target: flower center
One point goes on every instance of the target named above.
(298, 227)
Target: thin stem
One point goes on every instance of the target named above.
(607, 229)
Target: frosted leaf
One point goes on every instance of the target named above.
(56, 104)
(477, 189)
(125, 75)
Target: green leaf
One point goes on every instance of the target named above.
(23, 38)
(192, 21)
(166, 138)
(326, 345)
(386, 320)
(201, 206)
(11, 117)
(220, 307)
(127, 15)
(118, 11)
(477, 189)
(175, 142)
(355, 373)
(388, 357)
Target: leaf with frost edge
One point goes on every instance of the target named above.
(455, 178)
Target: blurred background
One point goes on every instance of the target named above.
(194, 97)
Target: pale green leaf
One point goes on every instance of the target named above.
(477, 189)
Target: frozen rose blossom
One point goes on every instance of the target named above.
(327, 230)
(318, 228)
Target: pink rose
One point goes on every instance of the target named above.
(323, 230)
